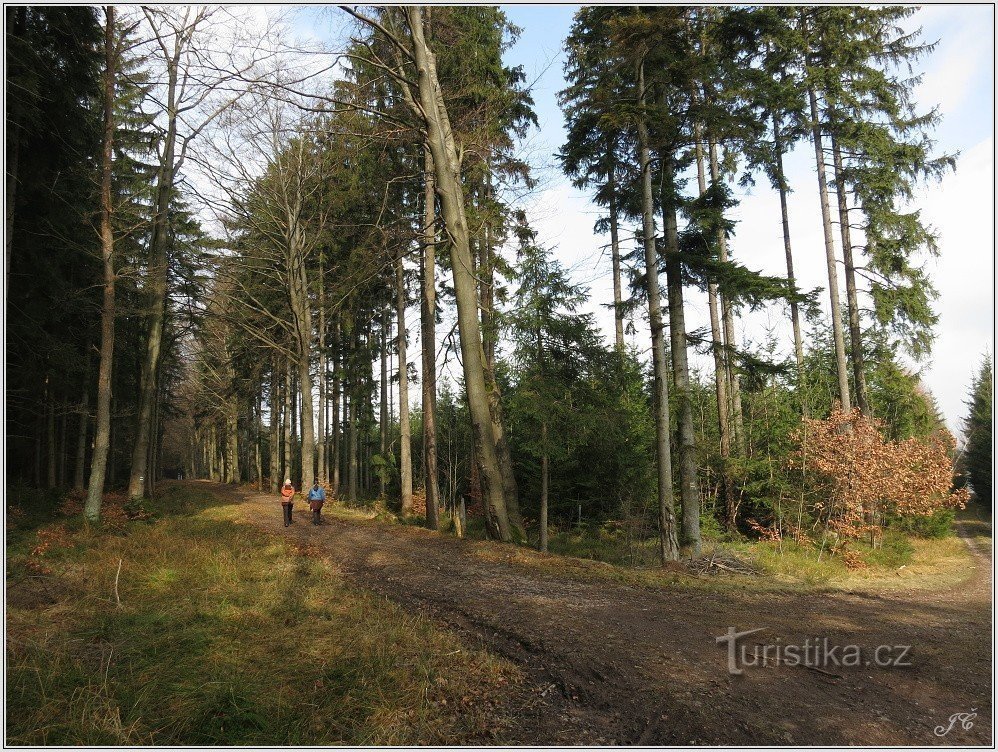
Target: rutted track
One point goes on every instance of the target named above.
(613, 664)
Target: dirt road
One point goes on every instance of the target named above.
(613, 664)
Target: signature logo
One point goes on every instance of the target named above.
(966, 721)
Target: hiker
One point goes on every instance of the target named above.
(316, 498)
(287, 501)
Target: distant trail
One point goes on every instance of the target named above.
(628, 665)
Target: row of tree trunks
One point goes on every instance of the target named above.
(669, 544)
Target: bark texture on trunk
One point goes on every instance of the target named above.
(428, 312)
(405, 430)
(689, 490)
(98, 462)
(383, 421)
(447, 172)
(838, 336)
(275, 427)
(155, 292)
(720, 372)
(669, 545)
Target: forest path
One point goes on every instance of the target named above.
(615, 664)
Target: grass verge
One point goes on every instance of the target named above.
(224, 636)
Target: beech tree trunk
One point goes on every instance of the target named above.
(838, 336)
(320, 440)
(336, 427)
(447, 172)
(852, 297)
(427, 310)
(155, 292)
(275, 428)
(405, 430)
(383, 421)
(669, 545)
(288, 422)
(102, 430)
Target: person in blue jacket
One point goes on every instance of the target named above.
(316, 498)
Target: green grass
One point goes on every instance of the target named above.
(224, 636)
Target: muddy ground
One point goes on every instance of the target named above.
(612, 664)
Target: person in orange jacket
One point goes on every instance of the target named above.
(287, 501)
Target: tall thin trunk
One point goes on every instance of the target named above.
(618, 296)
(336, 428)
(405, 429)
(385, 387)
(781, 180)
(544, 487)
(83, 431)
(689, 490)
(427, 320)
(50, 441)
(728, 326)
(258, 439)
(62, 444)
(275, 427)
(838, 336)
(320, 439)
(447, 172)
(302, 311)
(669, 544)
(156, 290)
(852, 297)
(289, 420)
(352, 459)
(720, 372)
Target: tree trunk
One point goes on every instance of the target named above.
(258, 430)
(689, 490)
(384, 424)
(275, 428)
(720, 373)
(83, 431)
(447, 172)
(50, 442)
(336, 428)
(289, 420)
(794, 308)
(405, 430)
(544, 488)
(156, 294)
(321, 423)
(728, 326)
(618, 297)
(833, 278)
(352, 459)
(427, 318)
(669, 545)
(852, 297)
(486, 272)
(302, 312)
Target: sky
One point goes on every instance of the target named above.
(958, 76)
